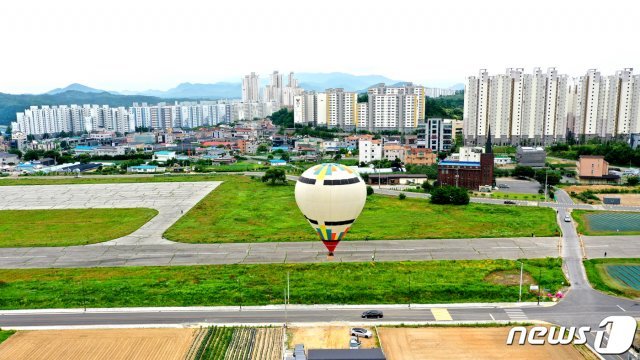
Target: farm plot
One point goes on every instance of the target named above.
(116, 344)
(464, 343)
(327, 337)
(628, 275)
(607, 222)
(225, 343)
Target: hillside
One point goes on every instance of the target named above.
(448, 107)
(10, 104)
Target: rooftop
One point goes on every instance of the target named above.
(346, 354)
(458, 163)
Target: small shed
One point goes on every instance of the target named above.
(607, 200)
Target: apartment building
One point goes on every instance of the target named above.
(369, 150)
(388, 108)
(543, 108)
(250, 88)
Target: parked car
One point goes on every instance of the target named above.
(509, 202)
(360, 332)
(354, 343)
(503, 186)
(567, 218)
(372, 314)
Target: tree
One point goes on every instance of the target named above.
(274, 175)
(30, 155)
(15, 152)
(285, 156)
(426, 186)
(449, 195)
(440, 195)
(633, 180)
(524, 171)
(262, 148)
(459, 196)
(551, 177)
(337, 157)
(363, 98)
(369, 190)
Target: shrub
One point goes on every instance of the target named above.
(449, 195)
(402, 196)
(633, 180)
(369, 190)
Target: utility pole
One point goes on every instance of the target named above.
(546, 175)
(520, 295)
(539, 285)
(84, 303)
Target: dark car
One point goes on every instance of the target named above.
(509, 202)
(372, 314)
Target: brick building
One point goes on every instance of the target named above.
(468, 174)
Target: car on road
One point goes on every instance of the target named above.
(567, 218)
(360, 332)
(372, 314)
(509, 202)
(503, 186)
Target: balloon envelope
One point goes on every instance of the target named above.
(330, 196)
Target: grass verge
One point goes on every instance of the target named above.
(4, 334)
(600, 279)
(509, 196)
(327, 283)
(66, 227)
(247, 210)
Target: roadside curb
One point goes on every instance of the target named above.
(270, 308)
(280, 324)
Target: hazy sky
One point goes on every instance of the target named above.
(138, 45)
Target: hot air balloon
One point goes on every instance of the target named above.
(330, 196)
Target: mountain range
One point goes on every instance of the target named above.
(82, 94)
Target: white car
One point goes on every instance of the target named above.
(360, 332)
(354, 343)
(567, 218)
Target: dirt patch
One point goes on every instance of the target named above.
(328, 337)
(116, 344)
(595, 188)
(625, 199)
(464, 343)
(509, 277)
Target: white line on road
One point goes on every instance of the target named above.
(620, 307)
(22, 257)
(492, 318)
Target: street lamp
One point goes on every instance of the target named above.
(520, 293)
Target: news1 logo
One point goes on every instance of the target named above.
(622, 330)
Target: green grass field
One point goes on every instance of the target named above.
(509, 196)
(628, 222)
(328, 283)
(247, 210)
(66, 227)
(4, 334)
(601, 280)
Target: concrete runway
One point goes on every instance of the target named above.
(171, 199)
(171, 253)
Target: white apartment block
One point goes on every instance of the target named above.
(388, 108)
(251, 88)
(74, 118)
(437, 92)
(369, 150)
(543, 108)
